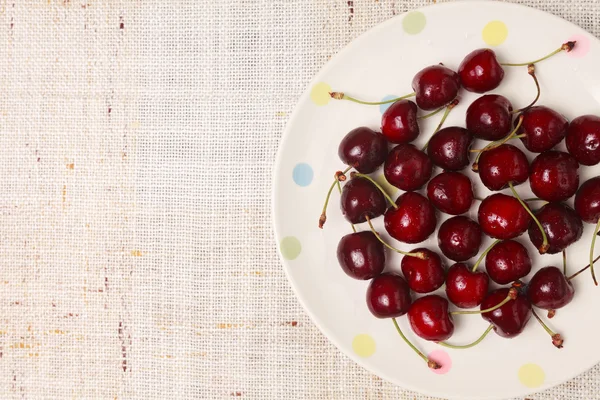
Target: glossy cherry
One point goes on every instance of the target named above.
(399, 123)
(451, 192)
(549, 289)
(543, 128)
(501, 165)
(465, 288)
(480, 71)
(554, 176)
(388, 296)
(510, 319)
(435, 86)
(364, 149)
(449, 148)
(407, 167)
(413, 221)
(360, 199)
(562, 225)
(429, 318)
(507, 262)
(583, 139)
(587, 201)
(502, 217)
(490, 117)
(423, 276)
(459, 238)
(361, 255)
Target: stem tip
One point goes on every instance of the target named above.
(337, 95)
(433, 365)
(339, 175)
(557, 341)
(421, 255)
(551, 314)
(568, 46)
(531, 69)
(513, 293)
(544, 248)
(475, 167)
(322, 220)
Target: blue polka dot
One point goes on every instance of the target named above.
(303, 174)
(383, 107)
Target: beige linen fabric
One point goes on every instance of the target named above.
(137, 140)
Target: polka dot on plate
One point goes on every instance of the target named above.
(302, 174)
(442, 358)
(531, 375)
(384, 107)
(363, 345)
(582, 47)
(495, 33)
(290, 247)
(414, 22)
(389, 189)
(319, 94)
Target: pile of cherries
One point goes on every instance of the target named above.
(411, 218)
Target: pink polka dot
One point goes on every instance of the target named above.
(582, 47)
(442, 358)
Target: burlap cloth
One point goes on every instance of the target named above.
(137, 140)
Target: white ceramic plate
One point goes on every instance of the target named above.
(381, 63)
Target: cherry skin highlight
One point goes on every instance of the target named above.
(413, 221)
(554, 176)
(459, 238)
(451, 192)
(429, 318)
(399, 123)
(503, 217)
(561, 224)
(423, 276)
(464, 288)
(361, 199)
(490, 117)
(510, 319)
(449, 148)
(549, 289)
(388, 296)
(507, 262)
(361, 255)
(501, 165)
(583, 139)
(435, 86)
(543, 128)
(407, 167)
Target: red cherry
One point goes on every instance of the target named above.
(480, 71)
(502, 217)
(583, 139)
(465, 288)
(388, 296)
(399, 122)
(459, 238)
(543, 128)
(429, 318)
(451, 192)
(361, 255)
(361, 199)
(562, 225)
(407, 167)
(423, 276)
(507, 262)
(549, 289)
(489, 117)
(363, 149)
(510, 319)
(413, 221)
(449, 148)
(554, 176)
(501, 165)
(435, 86)
(587, 201)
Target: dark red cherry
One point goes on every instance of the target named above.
(502, 217)
(423, 276)
(363, 149)
(543, 128)
(489, 117)
(413, 221)
(361, 255)
(451, 192)
(464, 288)
(435, 86)
(507, 262)
(583, 139)
(549, 289)
(501, 165)
(510, 319)
(449, 148)
(587, 201)
(388, 296)
(399, 122)
(407, 167)
(429, 318)
(480, 71)
(361, 199)
(459, 238)
(554, 176)
(561, 224)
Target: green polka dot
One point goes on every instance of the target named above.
(364, 345)
(413, 22)
(495, 33)
(531, 375)
(319, 94)
(290, 247)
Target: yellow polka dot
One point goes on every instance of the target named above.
(320, 94)
(389, 189)
(531, 375)
(363, 345)
(495, 33)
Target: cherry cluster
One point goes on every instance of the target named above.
(411, 218)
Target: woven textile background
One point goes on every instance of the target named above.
(137, 140)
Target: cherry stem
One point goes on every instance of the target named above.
(497, 143)
(592, 252)
(534, 199)
(344, 96)
(582, 269)
(466, 346)
(387, 196)
(430, 363)
(431, 114)
(544, 247)
(568, 46)
(418, 254)
(557, 340)
(531, 71)
(564, 262)
(323, 216)
(340, 190)
(512, 294)
(449, 108)
(480, 259)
